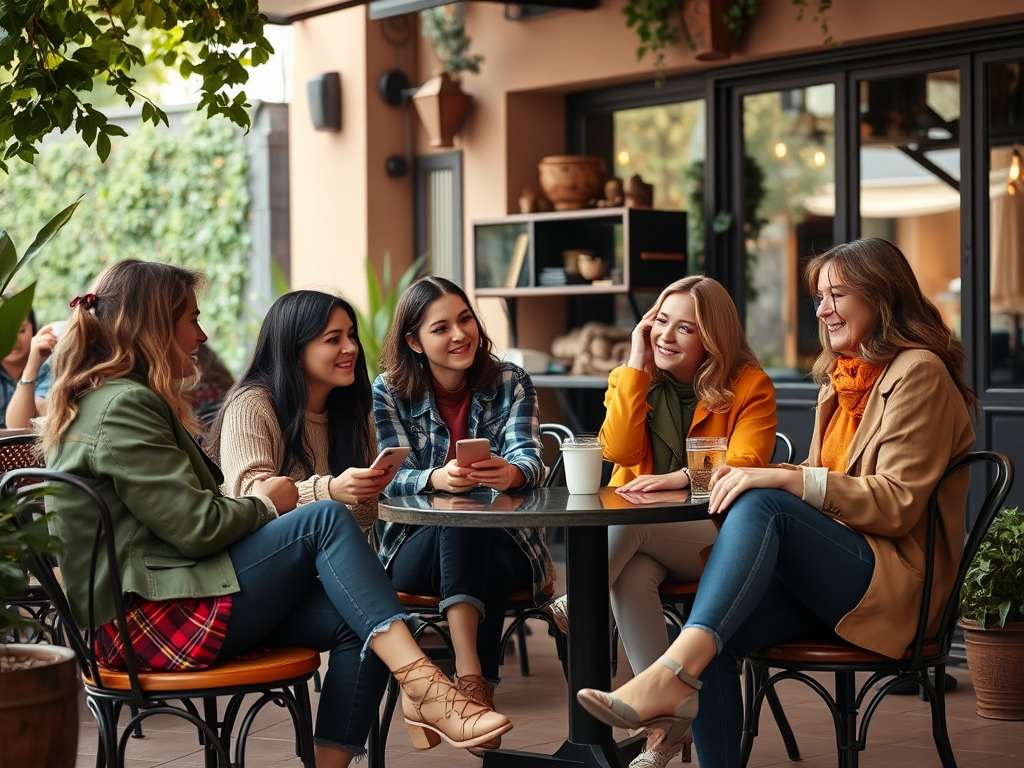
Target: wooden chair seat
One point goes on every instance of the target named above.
(807, 653)
(677, 590)
(279, 665)
(522, 598)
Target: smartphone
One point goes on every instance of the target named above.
(469, 452)
(390, 459)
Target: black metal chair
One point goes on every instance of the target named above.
(927, 653)
(280, 676)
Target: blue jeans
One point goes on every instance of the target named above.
(309, 579)
(479, 566)
(779, 570)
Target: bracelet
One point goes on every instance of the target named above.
(27, 381)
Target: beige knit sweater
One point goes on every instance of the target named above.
(251, 449)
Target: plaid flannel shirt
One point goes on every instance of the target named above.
(505, 413)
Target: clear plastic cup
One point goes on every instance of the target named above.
(704, 457)
(583, 458)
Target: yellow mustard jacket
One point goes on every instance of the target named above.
(749, 424)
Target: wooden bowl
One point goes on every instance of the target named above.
(570, 182)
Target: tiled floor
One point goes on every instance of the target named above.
(899, 736)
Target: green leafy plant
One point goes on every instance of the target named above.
(18, 543)
(15, 309)
(51, 51)
(383, 298)
(444, 30)
(660, 24)
(993, 591)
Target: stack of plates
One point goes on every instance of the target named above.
(551, 276)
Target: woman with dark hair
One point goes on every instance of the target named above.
(441, 383)
(303, 407)
(25, 374)
(835, 547)
(208, 577)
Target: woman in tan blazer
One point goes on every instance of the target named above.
(837, 545)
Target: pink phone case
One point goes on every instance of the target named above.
(391, 459)
(469, 452)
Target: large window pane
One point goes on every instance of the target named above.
(910, 177)
(1006, 245)
(789, 194)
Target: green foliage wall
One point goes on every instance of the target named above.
(180, 198)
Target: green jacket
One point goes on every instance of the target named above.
(172, 526)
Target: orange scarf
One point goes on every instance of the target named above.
(852, 380)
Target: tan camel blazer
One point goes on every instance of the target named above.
(915, 424)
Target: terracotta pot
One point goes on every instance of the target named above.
(571, 181)
(39, 708)
(442, 107)
(711, 36)
(995, 658)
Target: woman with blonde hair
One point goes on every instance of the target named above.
(834, 547)
(690, 373)
(207, 577)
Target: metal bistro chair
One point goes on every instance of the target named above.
(280, 676)
(926, 653)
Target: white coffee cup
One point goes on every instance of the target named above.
(57, 327)
(583, 459)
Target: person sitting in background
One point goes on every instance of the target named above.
(303, 408)
(835, 547)
(25, 375)
(207, 394)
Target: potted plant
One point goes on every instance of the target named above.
(382, 300)
(440, 101)
(710, 27)
(992, 617)
(38, 683)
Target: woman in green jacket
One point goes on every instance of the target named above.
(208, 577)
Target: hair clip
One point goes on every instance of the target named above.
(88, 301)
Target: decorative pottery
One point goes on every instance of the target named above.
(995, 658)
(39, 708)
(710, 35)
(571, 181)
(590, 267)
(442, 107)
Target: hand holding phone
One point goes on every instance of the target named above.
(390, 459)
(469, 452)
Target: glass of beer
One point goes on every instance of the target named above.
(704, 457)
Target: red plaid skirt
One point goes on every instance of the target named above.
(167, 635)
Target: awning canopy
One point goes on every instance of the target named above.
(289, 11)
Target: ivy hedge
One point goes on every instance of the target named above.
(180, 198)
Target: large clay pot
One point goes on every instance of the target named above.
(710, 35)
(570, 182)
(442, 106)
(39, 708)
(995, 658)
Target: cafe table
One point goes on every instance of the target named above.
(586, 518)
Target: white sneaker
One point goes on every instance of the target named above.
(558, 609)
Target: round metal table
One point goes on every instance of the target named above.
(586, 518)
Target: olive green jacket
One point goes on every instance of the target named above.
(172, 526)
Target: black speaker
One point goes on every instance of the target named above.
(324, 92)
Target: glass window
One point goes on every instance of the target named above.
(1006, 224)
(789, 206)
(910, 177)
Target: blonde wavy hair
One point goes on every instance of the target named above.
(130, 330)
(722, 335)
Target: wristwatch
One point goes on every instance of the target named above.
(27, 381)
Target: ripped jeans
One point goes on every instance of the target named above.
(309, 579)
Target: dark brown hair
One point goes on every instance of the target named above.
(408, 371)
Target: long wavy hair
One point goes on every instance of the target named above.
(879, 273)
(409, 371)
(131, 330)
(293, 321)
(728, 352)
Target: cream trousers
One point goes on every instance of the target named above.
(640, 558)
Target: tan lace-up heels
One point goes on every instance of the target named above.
(436, 709)
(481, 691)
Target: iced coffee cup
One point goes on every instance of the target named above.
(583, 458)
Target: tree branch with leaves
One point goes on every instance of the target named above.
(51, 51)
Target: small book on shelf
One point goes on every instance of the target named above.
(515, 267)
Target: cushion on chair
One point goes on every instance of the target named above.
(827, 652)
(280, 664)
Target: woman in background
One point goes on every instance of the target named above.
(25, 375)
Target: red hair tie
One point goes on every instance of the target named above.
(88, 301)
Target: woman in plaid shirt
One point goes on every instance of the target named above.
(441, 383)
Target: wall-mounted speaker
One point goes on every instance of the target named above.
(324, 93)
